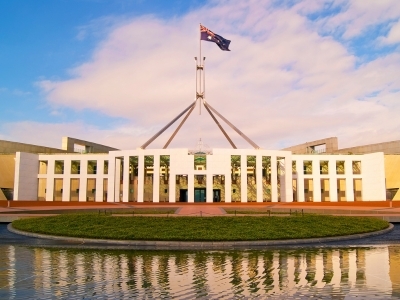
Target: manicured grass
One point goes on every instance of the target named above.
(197, 228)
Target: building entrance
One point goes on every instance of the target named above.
(183, 195)
(199, 195)
(216, 195)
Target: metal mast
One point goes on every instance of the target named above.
(200, 100)
(200, 77)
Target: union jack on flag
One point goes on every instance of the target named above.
(207, 35)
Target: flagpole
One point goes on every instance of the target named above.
(200, 44)
(204, 80)
(197, 81)
(201, 64)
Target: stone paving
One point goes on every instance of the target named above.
(35, 208)
(200, 210)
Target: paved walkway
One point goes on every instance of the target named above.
(200, 210)
(35, 208)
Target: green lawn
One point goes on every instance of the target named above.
(197, 228)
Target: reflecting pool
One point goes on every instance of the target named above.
(328, 273)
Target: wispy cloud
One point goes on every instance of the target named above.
(357, 17)
(122, 137)
(21, 93)
(15, 92)
(284, 79)
(99, 27)
(393, 37)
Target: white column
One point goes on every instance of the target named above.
(125, 181)
(190, 187)
(67, 166)
(243, 178)
(117, 179)
(172, 187)
(98, 197)
(100, 166)
(316, 174)
(373, 176)
(348, 172)
(82, 189)
(50, 180)
(259, 183)
(287, 189)
(300, 180)
(111, 180)
(83, 180)
(140, 177)
(274, 181)
(66, 188)
(333, 195)
(156, 179)
(99, 185)
(66, 180)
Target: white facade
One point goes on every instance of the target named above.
(371, 176)
(259, 175)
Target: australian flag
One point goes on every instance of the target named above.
(207, 35)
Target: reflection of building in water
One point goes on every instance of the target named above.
(394, 273)
(379, 278)
(66, 273)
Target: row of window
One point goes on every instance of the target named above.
(74, 189)
(324, 167)
(200, 164)
(75, 167)
(326, 193)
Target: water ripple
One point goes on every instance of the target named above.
(358, 272)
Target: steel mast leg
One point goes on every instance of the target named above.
(220, 127)
(232, 126)
(167, 126)
(179, 127)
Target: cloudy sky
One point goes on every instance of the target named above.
(115, 72)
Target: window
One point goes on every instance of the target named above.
(307, 167)
(43, 167)
(92, 167)
(340, 167)
(59, 167)
(75, 167)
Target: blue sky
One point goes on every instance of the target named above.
(114, 72)
(44, 39)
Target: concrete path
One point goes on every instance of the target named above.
(22, 209)
(200, 210)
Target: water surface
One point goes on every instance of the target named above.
(329, 273)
